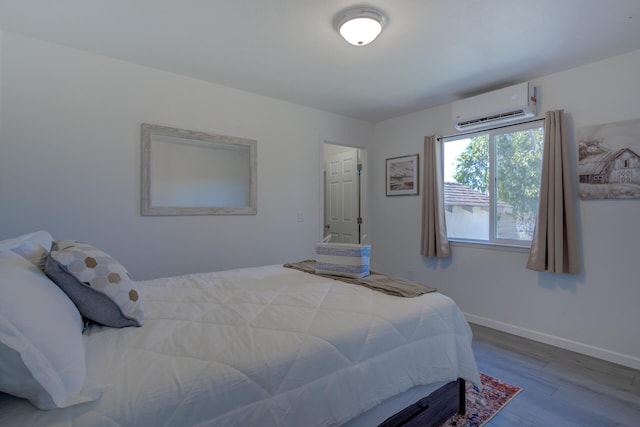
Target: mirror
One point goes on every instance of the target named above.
(194, 173)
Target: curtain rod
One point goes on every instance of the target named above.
(440, 138)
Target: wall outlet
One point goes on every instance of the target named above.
(300, 216)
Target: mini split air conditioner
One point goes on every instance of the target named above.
(491, 109)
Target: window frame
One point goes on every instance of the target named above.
(493, 240)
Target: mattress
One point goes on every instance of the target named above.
(265, 346)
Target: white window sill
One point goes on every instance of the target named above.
(490, 245)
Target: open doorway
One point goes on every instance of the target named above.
(344, 193)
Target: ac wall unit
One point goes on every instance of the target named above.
(491, 109)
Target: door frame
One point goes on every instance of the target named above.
(364, 189)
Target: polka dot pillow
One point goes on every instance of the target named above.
(97, 284)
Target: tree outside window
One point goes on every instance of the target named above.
(505, 212)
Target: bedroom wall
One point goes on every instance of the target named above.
(70, 160)
(595, 312)
(70, 163)
(1, 44)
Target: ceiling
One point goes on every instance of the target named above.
(432, 51)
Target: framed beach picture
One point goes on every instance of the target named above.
(403, 176)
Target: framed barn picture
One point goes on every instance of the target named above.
(402, 176)
(609, 161)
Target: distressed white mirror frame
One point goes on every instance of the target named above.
(187, 137)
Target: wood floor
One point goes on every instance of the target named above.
(559, 387)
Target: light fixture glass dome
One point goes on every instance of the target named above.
(361, 25)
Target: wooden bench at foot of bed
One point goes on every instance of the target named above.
(433, 410)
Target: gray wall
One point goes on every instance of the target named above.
(70, 163)
(595, 312)
(70, 160)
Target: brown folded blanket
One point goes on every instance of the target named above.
(390, 285)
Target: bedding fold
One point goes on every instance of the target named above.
(390, 285)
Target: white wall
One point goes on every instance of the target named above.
(1, 44)
(70, 163)
(70, 160)
(595, 312)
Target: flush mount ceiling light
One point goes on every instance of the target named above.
(360, 26)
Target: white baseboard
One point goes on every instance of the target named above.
(578, 347)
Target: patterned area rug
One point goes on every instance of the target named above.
(480, 409)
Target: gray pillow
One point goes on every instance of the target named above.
(97, 284)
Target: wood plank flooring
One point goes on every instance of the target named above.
(560, 388)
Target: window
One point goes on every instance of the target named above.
(491, 184)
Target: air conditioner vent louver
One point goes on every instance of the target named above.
(509, 115)
(511, 104)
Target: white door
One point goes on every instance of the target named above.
(342, 197)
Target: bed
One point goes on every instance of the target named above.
(268, 346)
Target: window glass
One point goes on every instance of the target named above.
(491, 184)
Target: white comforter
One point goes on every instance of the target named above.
(265, 346)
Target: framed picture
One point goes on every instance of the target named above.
(609, 161)
(403, 176)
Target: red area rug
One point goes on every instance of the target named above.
(494, 396)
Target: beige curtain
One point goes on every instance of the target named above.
(434, 229)
(554, 247)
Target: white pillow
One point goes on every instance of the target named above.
(33, 252)
(32, 246)
(41, 346)
(42, 238)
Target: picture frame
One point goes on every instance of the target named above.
(403, 175)
(609, 161)
(187, 172)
